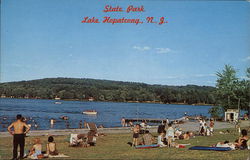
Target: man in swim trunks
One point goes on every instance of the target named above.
(136, 131)
(20, 128)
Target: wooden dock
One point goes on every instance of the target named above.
(155, 120)
(151, 120)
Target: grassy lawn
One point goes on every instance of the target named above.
(114, 146)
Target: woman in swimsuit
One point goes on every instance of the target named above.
(242, 141)
(51, 147)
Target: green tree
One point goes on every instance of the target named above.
(226, 87)
(247, 90)
(216, 112)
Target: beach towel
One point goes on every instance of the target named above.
(182, 145)
(210, 148)
(58, 156)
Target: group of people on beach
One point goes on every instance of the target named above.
(84, 140)
(205, 129)
(166, 135)
(36, 151)
(82, 123)
(19, 129)
(243, 142)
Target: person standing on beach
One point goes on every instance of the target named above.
(80, 124)
(19, 130)
(211, 125)
(170, 134)
(136, 131)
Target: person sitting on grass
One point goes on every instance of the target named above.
(178, 132)
(241, 142)
(186, 136)
(36, 150)
(148, 139)
(91, 138)
(160, 140)
(51, 147)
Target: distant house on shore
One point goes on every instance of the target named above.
(231, 115)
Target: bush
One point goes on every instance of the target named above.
(216, 112)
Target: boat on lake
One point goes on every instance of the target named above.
(58, 102)
(90, 112)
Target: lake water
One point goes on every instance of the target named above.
(109, 113)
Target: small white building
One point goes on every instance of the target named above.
(231, 115)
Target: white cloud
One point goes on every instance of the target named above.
(158, 50)
(174, 77)
(246, 59)
(244, 77)
(145, 48)
(210, 82)
(163, 50)
(204, 75)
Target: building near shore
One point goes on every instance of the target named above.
(231, 115)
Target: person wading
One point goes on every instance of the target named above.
(20, 128)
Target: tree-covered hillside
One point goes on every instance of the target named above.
(106, 90)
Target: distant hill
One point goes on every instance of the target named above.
(107, 90)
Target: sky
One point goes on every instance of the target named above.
(46, 39)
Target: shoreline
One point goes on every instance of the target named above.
(195, 104)
(188, 126)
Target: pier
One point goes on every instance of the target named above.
(154, 120)
(151, 120)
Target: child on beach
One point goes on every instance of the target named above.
(36, 150)
(211, 126)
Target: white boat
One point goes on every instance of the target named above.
(90, 112)
(58, 102)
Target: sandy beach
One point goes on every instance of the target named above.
(187, 126)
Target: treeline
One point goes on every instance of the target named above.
(106, 90)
